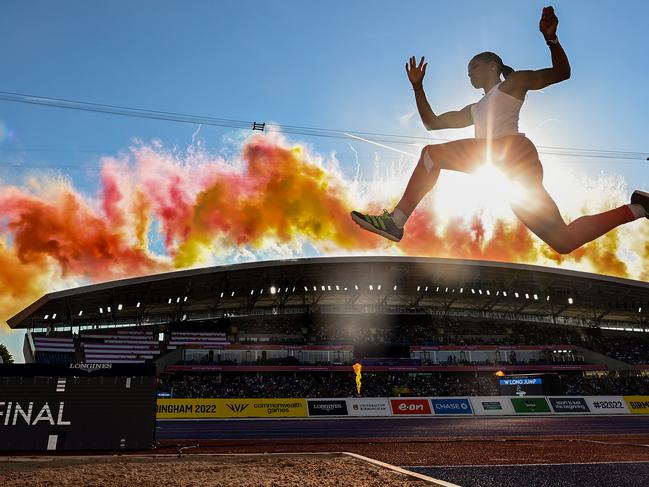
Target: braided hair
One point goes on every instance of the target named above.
(489, 56)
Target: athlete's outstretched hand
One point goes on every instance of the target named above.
(548, 23)
(416, 72)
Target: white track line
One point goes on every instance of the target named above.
(402, 471)
(496, 465)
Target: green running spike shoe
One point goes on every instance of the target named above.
(380, 224)
(641, 198)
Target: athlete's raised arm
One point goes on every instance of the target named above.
(560, 70)
(448, 120)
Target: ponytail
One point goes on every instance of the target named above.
(506, 70)
(489, 57)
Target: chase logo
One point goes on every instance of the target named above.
(451, 406)
(237, 408)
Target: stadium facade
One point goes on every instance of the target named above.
(356, 285)
(417, 325)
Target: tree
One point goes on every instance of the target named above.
(6, 356)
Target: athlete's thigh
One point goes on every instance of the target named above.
(464, 155)
(538, 211)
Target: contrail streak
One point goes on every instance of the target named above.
(380, 145)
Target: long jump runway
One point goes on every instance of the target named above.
(360, 428)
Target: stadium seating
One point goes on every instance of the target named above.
(54, 349)
(122, 346)
(197, 339)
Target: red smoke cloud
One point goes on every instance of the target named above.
(199, 207)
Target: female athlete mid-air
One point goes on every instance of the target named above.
(497, 138)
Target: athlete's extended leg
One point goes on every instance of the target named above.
(540, 214)
(461, 155)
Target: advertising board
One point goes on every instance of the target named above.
(607, 404)
(451, 405)
(491, 406)
(569, 404)
(327, 407)
(230, 408)
(637, 404)
(374, 406)
(530, 405)
(410, 406)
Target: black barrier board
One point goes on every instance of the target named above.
(327, 407)
(78, 412)
(569, 405)
(81, 369)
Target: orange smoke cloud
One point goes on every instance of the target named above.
(272, 199)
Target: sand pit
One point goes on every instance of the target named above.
(321, 470)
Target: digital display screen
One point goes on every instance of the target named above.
(521, 386)
(521, 382)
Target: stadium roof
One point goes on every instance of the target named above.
(445, 287)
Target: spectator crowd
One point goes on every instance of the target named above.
(330, 385)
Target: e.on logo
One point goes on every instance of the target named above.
(410, 406)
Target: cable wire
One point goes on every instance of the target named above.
(377, 138)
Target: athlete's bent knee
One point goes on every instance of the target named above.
(427, 158)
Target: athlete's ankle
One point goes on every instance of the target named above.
(399, 218)
(637, 210)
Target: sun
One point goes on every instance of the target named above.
(487, 192)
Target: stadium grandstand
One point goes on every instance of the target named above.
(293, 328)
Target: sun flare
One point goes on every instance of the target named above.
(487, 191)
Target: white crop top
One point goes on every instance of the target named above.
(496, 115)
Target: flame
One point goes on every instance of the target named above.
(156, 211)
(357, 370)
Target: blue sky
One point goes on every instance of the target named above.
(319, 64)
